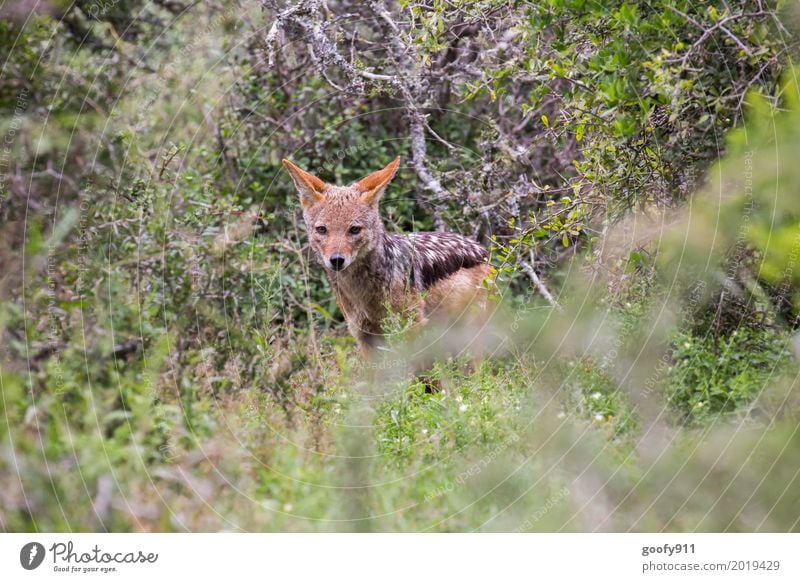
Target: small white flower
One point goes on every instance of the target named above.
(463, 408)
(424, 431)
(561, 415)
(599, 417)
(596, 396)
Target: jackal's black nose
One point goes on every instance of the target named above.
(337, 262)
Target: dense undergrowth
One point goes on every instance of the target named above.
(173, 360)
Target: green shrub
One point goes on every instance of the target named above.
(712, 375)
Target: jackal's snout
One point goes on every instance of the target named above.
(337, 261)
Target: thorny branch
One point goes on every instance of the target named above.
(528, 269)
(306, 16)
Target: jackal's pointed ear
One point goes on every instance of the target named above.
(308, 185)
(372, 186)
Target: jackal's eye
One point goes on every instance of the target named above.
(354, 230)
(322, 230)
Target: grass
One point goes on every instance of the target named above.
(505, 447)
(724, 375)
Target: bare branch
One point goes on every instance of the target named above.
(538, 283)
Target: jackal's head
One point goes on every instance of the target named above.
(343, 221)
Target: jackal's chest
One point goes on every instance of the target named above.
(365, 303)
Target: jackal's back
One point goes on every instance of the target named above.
(426, 258)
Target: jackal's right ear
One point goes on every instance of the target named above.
(308, 185)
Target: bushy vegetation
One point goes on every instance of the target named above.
(172, 359)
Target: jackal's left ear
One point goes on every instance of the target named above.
(372, 186)
(308, 185)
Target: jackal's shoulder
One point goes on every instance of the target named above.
(437, 255)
